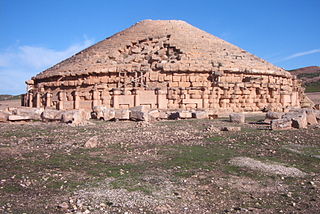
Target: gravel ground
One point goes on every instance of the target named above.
(162, 167)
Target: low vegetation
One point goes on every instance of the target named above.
(9, 97)
(165, 166)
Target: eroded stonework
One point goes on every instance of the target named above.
(164, 65)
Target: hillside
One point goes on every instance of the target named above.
(310, 77)
(9, 97)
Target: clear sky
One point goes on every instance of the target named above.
(36, 34)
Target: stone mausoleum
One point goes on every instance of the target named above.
(164, 64)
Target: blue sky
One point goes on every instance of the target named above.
(36, 34)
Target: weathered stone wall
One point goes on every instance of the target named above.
(228, 90)
(166, 65)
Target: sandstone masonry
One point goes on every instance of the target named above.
(164, 65)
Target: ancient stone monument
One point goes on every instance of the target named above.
(164, 65)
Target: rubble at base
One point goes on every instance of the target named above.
(295, 118)
(292, 118)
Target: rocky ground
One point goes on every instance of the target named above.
(181, 166)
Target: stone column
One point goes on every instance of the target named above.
(205, 99)
(48, 99)
(61, 98)
(30, 99)
(182, 96)
(95, 98)
(105, 96)
(162, 99)
(116, 93)
(38, 100)
(76, 100)
(136, 97)
(285, 99)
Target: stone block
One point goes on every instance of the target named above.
(4, 116)
(299, 119)
(51, 115)
(237, 118)
(75, 117)
(299, 122)
(185, 114)
(121, 114)
(180, 115)
(317, 114)
(103, 113)
(139, 113)
(200, 115)
(281, 124)
(154, 114)
(163, 115)
(271, 115)
(33, 113)
(176, 78)
(18, 118)
(139, 116)
(311, 117)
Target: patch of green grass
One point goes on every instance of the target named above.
(26, 132)
(311, 151)
(244, 172)
(312, 87)
(9, 97)
(187, 159)
(309, 75)
(12, 188)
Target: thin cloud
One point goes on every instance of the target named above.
(20, 63)
(299, 54)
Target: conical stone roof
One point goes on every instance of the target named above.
(193, 50)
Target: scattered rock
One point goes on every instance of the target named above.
(212, 116)
(92, 142)
(231, 128)
(213, 128)
(271, 168)
(63, 206)
(142, 124)
(237, 118)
